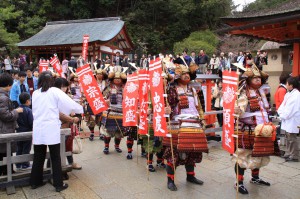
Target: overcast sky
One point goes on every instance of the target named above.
(242, 3)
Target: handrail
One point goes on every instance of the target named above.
(11, 180)
(13, 137)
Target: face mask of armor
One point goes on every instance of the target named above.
(255, 83)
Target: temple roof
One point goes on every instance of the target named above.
(71, 32)
(292, 6)
(280, 24)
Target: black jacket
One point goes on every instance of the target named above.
(25, 120)
(118, 62)
(202, 59)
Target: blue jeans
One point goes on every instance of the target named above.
(23, 147)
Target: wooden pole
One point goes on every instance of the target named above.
(137, 147)
(169, 123)
(237, 141)
(137, 134)
(148, 154)
(296, 59)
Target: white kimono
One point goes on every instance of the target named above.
(289, 111)
(46, 107)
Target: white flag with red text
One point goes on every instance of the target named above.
(143, 100)
(91, 89)
(85, 46)
(43, 66)
(230, 85)
(54, 61)
(130, 100)
(157, 95)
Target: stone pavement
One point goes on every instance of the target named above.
(113, 176)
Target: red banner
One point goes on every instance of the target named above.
(91, 89)
(43, 66)
(230, 85)
(54, 61)
(157, 95)
(143, 98)
(85, 46)
(130, 100)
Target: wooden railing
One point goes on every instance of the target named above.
(22, 178)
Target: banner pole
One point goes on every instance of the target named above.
(148, 145)
(237, 140)
(168, 120)
(137, 146)
(148, 155)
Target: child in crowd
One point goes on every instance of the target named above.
(18, 88)
(36, 73)
(15, 75)
(25, 122)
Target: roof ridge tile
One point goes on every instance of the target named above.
(84, 20)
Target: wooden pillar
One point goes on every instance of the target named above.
(296, 59)
(99, 53)
(210, 119)
(208, 95)
(37, 56)
(94, 52)
(30, 55)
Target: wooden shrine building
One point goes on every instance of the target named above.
(280, 24)
(106, 37)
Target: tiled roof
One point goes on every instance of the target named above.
(286, 7)
(71, 32)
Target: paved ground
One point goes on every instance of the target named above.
(113, 176)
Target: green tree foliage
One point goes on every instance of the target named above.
(161, 23)
(8, 13)
(154, 24)
(205, 40)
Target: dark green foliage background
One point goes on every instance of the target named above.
(154, 25)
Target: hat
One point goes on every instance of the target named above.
(252, 72)
(181, 69)
(102, 71)
(117, 72)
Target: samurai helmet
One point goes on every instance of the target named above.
(181, 69)
(252, 72)
(117, 72)
(102, 70)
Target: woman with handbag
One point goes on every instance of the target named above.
(47, 103)
(68, 122)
